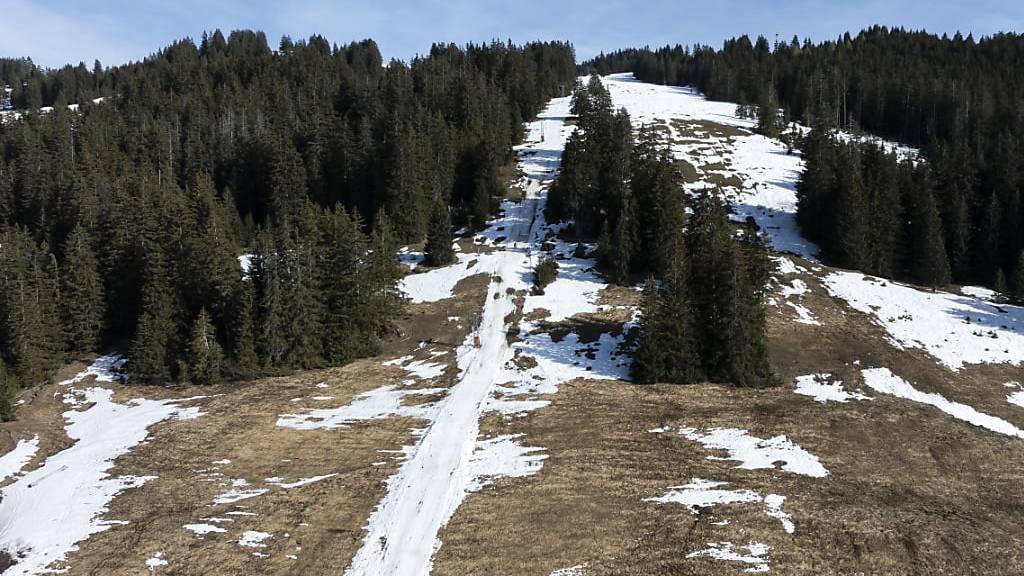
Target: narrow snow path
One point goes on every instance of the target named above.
(402, 533)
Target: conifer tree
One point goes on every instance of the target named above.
(242, 338)
(342, 282)
(268, 302)
(929, 266)
(1017, 284)
(439, 250)
(383, 272)
(8, 391)
(82, 301)
(204, 354)
(148, 356)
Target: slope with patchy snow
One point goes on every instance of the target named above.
(71, 489)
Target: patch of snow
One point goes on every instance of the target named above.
(245, 263)
(570, 571)
(787, 266)
(203, 529)
(1016, 397)
(23, 452)
(253, 539)
(773, 504)
(803, 315)
(756, 554)
(979, 292)
(155, 561)
(299, 482)
(103, 369)
(236, 494)
(503, 457)
(73, 488)
(425, 370)
(700, 493)
(883, 380)
(824, 388)
(754, 452)
(372, 405)
(796, 288)
(954, 329)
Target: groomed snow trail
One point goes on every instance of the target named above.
(402, 533)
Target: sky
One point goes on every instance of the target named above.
(58, 32)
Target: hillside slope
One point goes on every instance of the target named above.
(893, 445)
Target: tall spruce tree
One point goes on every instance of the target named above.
(204, 356)
(149, 353)
(439, 250)
(82, 300)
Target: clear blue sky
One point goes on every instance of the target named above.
(55, 32)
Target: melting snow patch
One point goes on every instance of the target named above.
(787, 266)
(1016, 397)
(503, 456)
(757, 554)
(570, 571)
(700, 493)
(425, 370)
(253, 539)
(12, 462)
(955, 329)
(883, 380)
(237, 493)
(155, 561)
(803, 315)
(73, 487)
(773, 507)
(103, 369)
(823, 388)
(203, 529)
(755, 452)
(300, 482)
(375, 404)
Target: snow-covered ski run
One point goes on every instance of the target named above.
(402, 534)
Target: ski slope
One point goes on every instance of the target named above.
(402, 533)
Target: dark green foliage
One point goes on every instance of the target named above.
(705, 320)
(595, 167)
(956, 98)
(203, 356)
(439, 250)
(148, 358)
(82, 304)
(1017, 282)
(8, 390)
(544, 273)
(667, 350)
(208, 150)
(30, 337)
(868, 210)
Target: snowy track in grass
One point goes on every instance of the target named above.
(445, 464)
